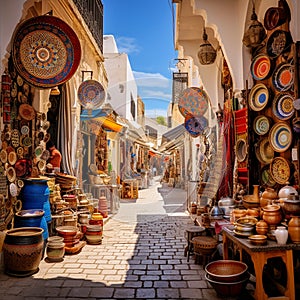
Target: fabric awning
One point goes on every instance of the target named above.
(109, 124)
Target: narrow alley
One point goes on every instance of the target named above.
(141, 257)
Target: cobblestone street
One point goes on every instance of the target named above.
(141, 257)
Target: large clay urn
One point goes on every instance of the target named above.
(23, 250)
(272, 214)
(294, 229)
(268, 196)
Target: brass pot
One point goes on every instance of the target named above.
(294, 229)
(272, 214)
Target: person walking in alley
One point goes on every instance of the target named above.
(55, 156)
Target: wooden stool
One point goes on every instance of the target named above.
(191, 232)
(204, 246)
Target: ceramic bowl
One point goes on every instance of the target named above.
(258, 239)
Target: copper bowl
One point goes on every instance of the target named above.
(67, 231)
(291, 207)
(226, 270)
(258, 239)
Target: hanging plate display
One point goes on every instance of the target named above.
(3, 156)
(241, 150)
(260, 67)
(258, 97)
(11, 174)
(264, 152)
(261, 125)
(193, 101)
(13, 190)
(266, 177)
(195, 125)
(278, 42)
(282, 106)
(26, 112)
(283, 77)
(280, 170)
(91, 94)
(280, 137)
(12, 157)
(46, 51)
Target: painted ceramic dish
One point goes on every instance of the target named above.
(283, 77)
(13, 190)
(258, 97)
(278, 42)
(266, 178)
(3, 156)
(282, 106)
(46, 51)
(241, 150)
(280, 170)
(260, 67)
(264, 152)
(261, 125)
(91, 94)
(12, 157)
(280, 136)
(193, 101)
(26, 112)
(11, 174)
(195, 125)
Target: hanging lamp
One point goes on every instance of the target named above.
(256, 32)
(206, 54)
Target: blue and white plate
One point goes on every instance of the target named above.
(258, 97)
(280, 137)
(283, 107)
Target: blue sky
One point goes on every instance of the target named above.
(144, 30)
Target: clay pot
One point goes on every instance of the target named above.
(93, 234)
(23, 250)
(272, 214)
(55, 250)
(238, 213)
(268, 196)
(262, 227)
(83, 218)
(294, 229)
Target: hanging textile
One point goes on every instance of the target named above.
(65, 137)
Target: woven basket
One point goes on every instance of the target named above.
(204, 245)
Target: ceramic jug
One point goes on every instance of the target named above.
(281, 235)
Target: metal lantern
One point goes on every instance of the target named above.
(206, 54)
(256, 32)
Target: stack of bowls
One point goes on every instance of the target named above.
(245, 226)
(227, 277)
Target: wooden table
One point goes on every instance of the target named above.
(259, 256)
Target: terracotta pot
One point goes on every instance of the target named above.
(294, 229)
(272, 214)
(262, 227)
(55, 251)
(268, 196)
(23, 250)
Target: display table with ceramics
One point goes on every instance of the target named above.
(259, 256)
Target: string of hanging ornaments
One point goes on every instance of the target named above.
(206, 54)
(256, 32)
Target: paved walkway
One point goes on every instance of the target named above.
(141, 257)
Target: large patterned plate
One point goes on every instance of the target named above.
(280, 170)
(241, 150)
(195, 125)
(260, 67)
(91, 94)
(266, 177)
(282, 106)
(278, 42)
(261, 125)
(283, 77)
(258, 97)
(46, 51)
(264, 152)
(280, 136)
(193, 101)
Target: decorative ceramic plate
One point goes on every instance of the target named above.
(193, 101)
(296, 104)
(42, 165)
(91, 94)
(13, 190)
(260, 67)
(282, 106)
(266, 177)
(26, 141)
(241, 150)
(15, 138)
(258, 97)
(38, 151)
(45, 155)
(25, 129)
(278, 42)
(280, 136)
(264, 152)
(26, 112)
(3, 156)
(195, 125)
(11, 174)
(280, 170)
(274, 17)
(12, 157)
(46, 51)
(261, 125)
(283, 77)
